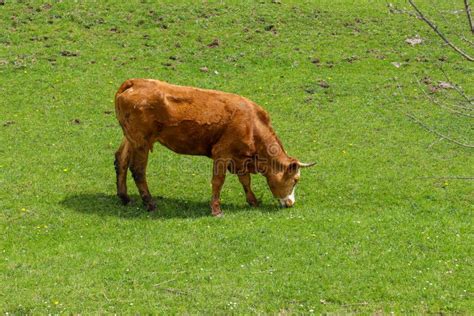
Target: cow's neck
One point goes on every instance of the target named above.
(271, 155)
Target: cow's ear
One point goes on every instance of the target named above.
(293, 167)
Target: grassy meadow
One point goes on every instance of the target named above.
(383, 223)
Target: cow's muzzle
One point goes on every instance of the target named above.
(288, 201)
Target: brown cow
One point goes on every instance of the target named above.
(232, 130)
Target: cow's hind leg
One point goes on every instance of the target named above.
(138, 165)
(122, 161)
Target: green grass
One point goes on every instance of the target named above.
(376, 227)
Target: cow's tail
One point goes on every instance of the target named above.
(126, 85)
(121, 109)
(118, 99)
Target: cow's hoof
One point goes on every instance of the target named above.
(253, 202)
(124, 199)
(151, 206)
(217, 212)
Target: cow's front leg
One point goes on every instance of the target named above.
(138, 164)
(245, 181)
(218, 178)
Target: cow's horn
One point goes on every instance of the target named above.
(305, 165)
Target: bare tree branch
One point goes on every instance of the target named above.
(468, 13)
(172, 290)
(433, 100)
(467, 41)
(436, 141)
(463, 107)
(430, 129)
(419, 122)
(448, 178)
(457, 88)
(435, 28)
(396, 10)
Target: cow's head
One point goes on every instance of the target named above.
(282, 181)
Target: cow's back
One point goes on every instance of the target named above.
(185, 119)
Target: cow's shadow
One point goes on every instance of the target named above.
(109, 205)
